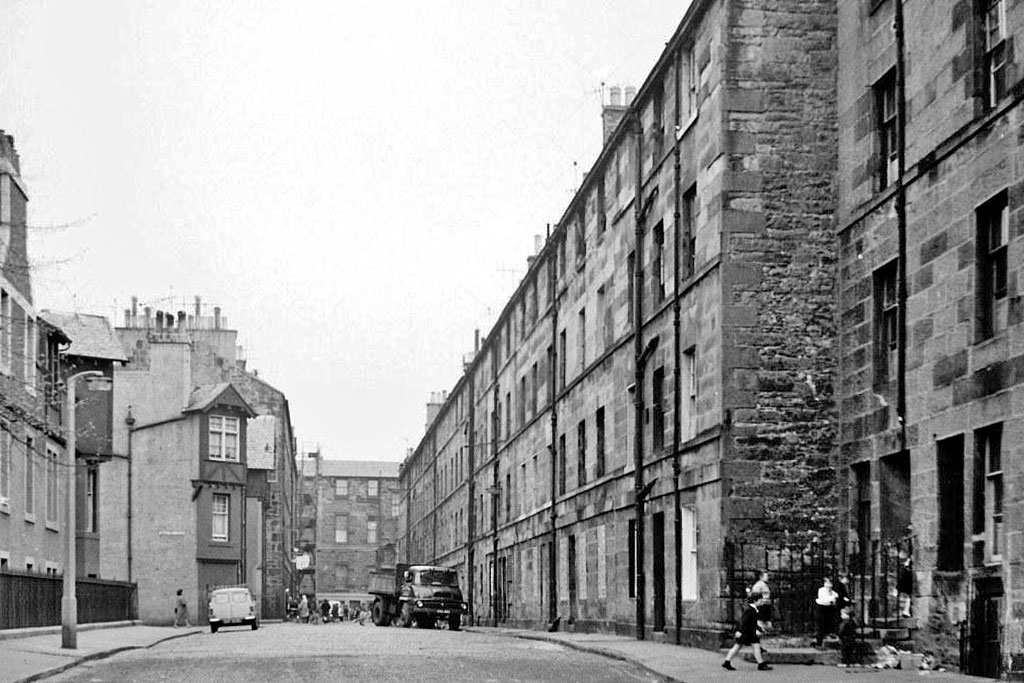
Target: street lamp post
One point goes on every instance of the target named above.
(69, 601)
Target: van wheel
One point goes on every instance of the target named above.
(379, 614)
(213, 628)
(255, 625)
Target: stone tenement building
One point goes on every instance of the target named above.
(356, 507)
(931, 380)
(32, 438)
(679, 317)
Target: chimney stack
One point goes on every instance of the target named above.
(181, 320)
(216, 317)
(149, 313)
(159, 320)
(127, 317)
(135, 312)
(199, 307)
(612, 113)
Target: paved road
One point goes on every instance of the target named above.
(346, 651)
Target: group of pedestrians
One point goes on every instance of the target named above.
(307, 611)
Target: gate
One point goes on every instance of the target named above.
(981, 634)
(28, 599)
(796, 572)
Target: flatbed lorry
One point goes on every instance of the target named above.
(418, 593)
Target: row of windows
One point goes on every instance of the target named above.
(992, 58)
(342, 488)
(341, 529)
(49, 568)
(30, 465)
(992, 232)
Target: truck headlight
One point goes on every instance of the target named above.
(465, 607)
(419, 603)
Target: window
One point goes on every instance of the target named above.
(688, 419)
(689, 539)
(658, 409)
(602, 220)
(561, 359)
(534, 303)
(630, 288)
(988, 503)
(692, 81)
(561, 258)
(522, 319)
(603, 331)
(508, 496)
(373, 488)
(521, 402)
(341, 529)
(658, 266)
(995, 51)
(5, 328)
(888, 135)
(30, 478)
(583, 339)
(371, 531)
(508, 413)
(220, 516)
(993, 237)
(508, 339)
(657, 122)
(950, 503)
(534, 386)
(631, 550)
(581, 459)
(52, 485)
(5, 464)
(561, 464)
(340, 487)
(599, 455)
(30, 351)
(887, 328)
(91, 522)
(223, 438)
(689, 236)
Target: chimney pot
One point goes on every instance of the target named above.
(149, 316)
(199, 307)
(216, 317)
(630, 94)
(615, 96)
(127, 317)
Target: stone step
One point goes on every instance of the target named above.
(797, 655)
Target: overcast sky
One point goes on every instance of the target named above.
(356, 184)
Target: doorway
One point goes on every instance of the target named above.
(658, 533)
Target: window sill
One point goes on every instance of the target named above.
(52, 526)
(30, 518)
(5, 507)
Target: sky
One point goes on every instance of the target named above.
(356, 184)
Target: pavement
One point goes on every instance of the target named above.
(32, 654)
(35, 654)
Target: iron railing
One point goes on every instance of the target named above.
(28, 599)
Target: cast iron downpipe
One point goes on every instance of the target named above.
(553, 448)
(638, 382)
(496, 422)
(471, 494)
(676, 357)
(129, 420)
(901, 220)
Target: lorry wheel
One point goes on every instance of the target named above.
(455, 622)
(379, 614)
(425, 622)
(406, 618)
(213, 628)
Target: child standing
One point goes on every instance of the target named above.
(749, 634)
(848, 638)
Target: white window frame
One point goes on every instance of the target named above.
(995, 48)
(341, 529)
(373, 488)
(5, 330)
(30, 480)
(52, 486)
(92, 476)
(371, 531)
(395, 509)
(220, 515)
(5, 468)
(224, 426)
(340, 487)
(691, 584)
(30, 346)
(995, 502)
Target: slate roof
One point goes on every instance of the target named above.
(205, 396)
(355, 469)
(259, 447)
(91, 335)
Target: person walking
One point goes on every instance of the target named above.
(304, 610)
(825, 605)
(181, 611)
(765, 612)
(748, 634)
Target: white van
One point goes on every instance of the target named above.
(232, 606)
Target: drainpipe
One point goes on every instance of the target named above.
(901, 219)
(471, 491)
(130, 421)
(493, 491)
(553, 394)
(676, 358)
(638, 382)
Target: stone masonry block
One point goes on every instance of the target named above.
(743, 221)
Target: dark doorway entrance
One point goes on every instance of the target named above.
(982, 655)
(571, 559)
(894, 484)
(658, 533)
